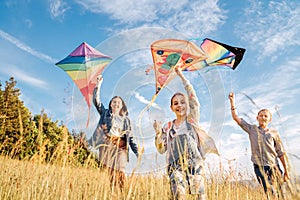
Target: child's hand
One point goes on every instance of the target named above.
(231, 96)
(178, 70)
(286, 176)
(99, 78)
(157, 126)
(232, 101)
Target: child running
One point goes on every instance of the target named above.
(185, 144)
(266, 147)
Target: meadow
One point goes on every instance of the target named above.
(42, 160)
(34, 180)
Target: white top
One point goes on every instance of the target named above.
(117, 126)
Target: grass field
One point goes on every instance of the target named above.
(35, 181)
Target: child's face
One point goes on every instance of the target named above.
(264, 118)
(116, 105)
(179, 105)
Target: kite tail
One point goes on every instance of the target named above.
(144, 110)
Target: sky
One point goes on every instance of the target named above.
(34, 35)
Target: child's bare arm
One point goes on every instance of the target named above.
(233, 108)
(284, 164)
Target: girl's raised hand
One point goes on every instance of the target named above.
(231, 96)
(99, 78)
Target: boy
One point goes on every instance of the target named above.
(266, 147)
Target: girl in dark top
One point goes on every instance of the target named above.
(113, 136)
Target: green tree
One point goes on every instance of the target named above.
(24, 136)
(15, 122)
(50, 135)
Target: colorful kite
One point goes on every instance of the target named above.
(218, 54)
(83, 65)
(168, 53)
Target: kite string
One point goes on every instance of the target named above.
(139, 124)
(289, 163)
(231, 84)
(143, 111)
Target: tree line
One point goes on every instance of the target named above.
(37, 137)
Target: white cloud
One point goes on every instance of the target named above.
(195, 18)
(284, 81)
(272, 88)
(131, 12)
(58, 8)
(271, 26)
(26, 48)
(145, 101)
(21, 75)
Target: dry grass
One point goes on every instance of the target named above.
(33, 180)
(64, 179)
(29, 180)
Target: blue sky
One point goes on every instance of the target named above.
(34, 35)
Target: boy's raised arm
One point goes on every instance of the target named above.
(233, 108)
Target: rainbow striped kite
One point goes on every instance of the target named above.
(83, 65)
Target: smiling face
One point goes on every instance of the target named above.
(264, 117)
(116, 105)
(179, 105)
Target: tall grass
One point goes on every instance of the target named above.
(33, 180)
(64, 179)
